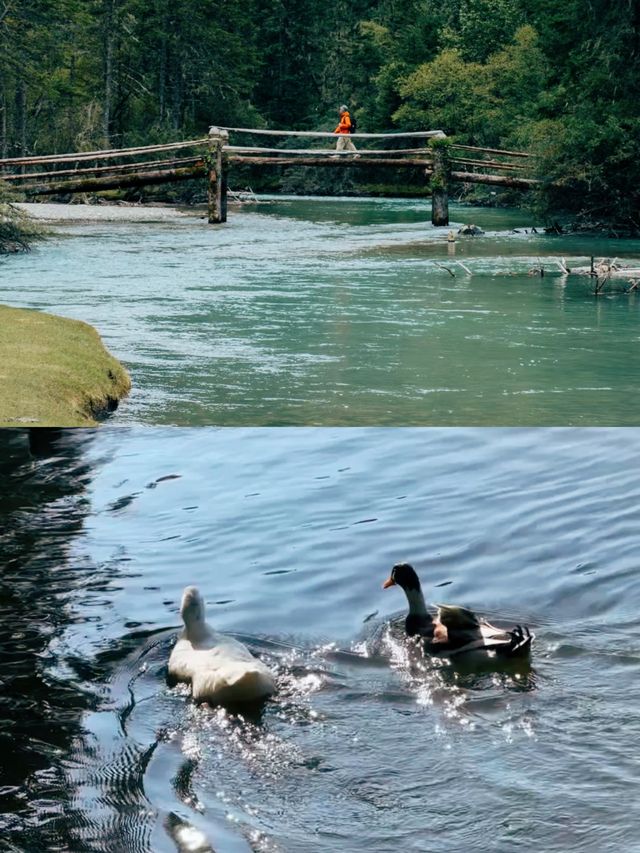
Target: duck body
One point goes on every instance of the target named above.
(456, 632)
(220, 669)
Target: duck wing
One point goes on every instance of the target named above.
(456, 618)
(484, 637)
(515, 642)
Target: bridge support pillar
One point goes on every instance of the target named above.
(440, 181)
(217, 175)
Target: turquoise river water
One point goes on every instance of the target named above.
(343, 312)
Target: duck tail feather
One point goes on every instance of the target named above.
(520, 643)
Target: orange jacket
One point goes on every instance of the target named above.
(345, 124)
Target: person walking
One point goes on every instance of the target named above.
(344, 131)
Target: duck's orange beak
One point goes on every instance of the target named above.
(389, 582)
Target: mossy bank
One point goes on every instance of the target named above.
(55, 371)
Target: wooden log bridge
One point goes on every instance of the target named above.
(439, 159)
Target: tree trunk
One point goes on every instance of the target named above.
(177, 91)
(162, 79)
(21, 118)
(4, 142)
(108, 47)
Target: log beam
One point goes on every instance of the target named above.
(106, 154)
(456, 147)
(330, 160)
(97, 170)
(118, 182)
(495, 180)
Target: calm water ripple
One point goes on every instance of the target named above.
(289, 534)
(342, 312)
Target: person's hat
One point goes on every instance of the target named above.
(344, 108)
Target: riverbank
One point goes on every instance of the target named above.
(55, 371)
(52, 212)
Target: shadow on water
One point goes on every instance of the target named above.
(40, 511)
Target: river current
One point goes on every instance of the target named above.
(302, 311)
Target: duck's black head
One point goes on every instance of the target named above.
(404, 576)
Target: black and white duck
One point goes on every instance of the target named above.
(456, 632)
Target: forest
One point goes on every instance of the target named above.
(561, 80)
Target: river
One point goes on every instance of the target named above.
(302, 311)
(289, 534)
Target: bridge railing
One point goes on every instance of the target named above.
(114, 168)
(211, 156)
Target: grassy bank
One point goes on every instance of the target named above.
(55, 371)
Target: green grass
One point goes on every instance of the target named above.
(54, 371)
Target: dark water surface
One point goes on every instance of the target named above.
(289, 534)
(343, 312)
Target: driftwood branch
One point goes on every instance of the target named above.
(602, 269)
(442, 267)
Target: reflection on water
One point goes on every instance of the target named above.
(289, 534)
(345, 312)
(42, 508)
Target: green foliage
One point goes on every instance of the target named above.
(17, 230)
(441, 95)
(483, 25)
(559, 79)
(486, 102)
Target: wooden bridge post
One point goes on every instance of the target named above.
(217, 175)
(440, 181)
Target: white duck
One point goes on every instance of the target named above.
(220, 669)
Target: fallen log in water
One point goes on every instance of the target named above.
(601, 272)
(607, 269)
